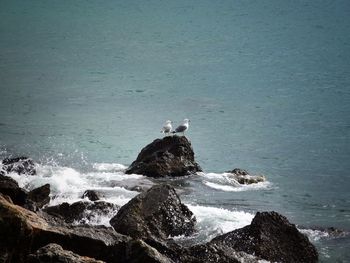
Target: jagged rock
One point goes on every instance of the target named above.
(91, 195)
(155, 214)
(80, 211)
(20, 165)
(170, 156)
(40, 196)
(9, 187)
(270, 236)
(55, 253)
(23, 232)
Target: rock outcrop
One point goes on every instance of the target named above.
(270, 236)
(170, 156)
(81, 211)
(20, 165)
(243, 177)
(23, 232)
(55, 253)
(155, 214)
(9, 186)
(32, 200)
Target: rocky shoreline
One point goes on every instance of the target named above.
(142, 230)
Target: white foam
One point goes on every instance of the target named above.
(109, 167)
(97, 218)
(212, 221)
(314, 235)
(68, 184)
(226, 182)
(240, 188)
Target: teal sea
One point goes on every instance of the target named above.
(84, 85)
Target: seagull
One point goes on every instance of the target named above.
(167, 127)
(183, 127)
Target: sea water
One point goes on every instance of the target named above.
(84, 85)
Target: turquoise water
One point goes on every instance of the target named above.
(266, 85)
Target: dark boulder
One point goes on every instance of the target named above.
(20, 165)
(55, 253)
(40, 196)
(170, 156)
(9, 187)
(91, 195)
(155, 214)
(80, 212)
(32, 200)
(270, 236)
(23, 232)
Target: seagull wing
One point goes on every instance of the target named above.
(181, 128)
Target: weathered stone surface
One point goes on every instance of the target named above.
(170, 156)
(155, 214)
(20, 165)
(270, 236)
(91, 195)
(142, 252)
(80, 211)
(53, 253)
(23, 232)
(40, 195)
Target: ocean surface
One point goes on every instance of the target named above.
(84, 85)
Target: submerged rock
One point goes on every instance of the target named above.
(155, 214)
(81, 211)
(243, 177)
(91, 195)
(238, 171)
(20, 165)
(170, 156)
(270, 236)
(55, 253)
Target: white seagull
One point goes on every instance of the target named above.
(183, 127)
(167, 127)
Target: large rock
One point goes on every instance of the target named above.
(55, 253)
(40, 196)
(23, 232)
(9, 187)
(170, 156)
(81, 211)
(20, 165)
(270, 236)
(155, 214)
(32, 200)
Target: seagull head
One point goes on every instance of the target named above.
(168, 121)
(186, 120)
